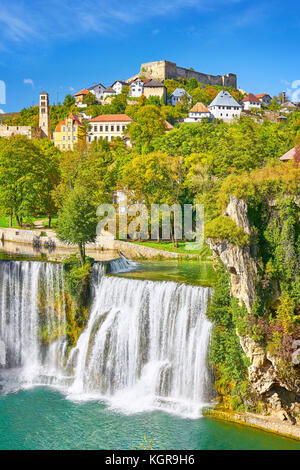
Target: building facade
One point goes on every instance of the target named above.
(69, 133)
(177, 96)
(108, 127)
(225, 107)
(264, 98)
(97, 90)
(118, 86)
(198, 112)
(9, 131)
(44, 115)
(155, 88)
(251, 102)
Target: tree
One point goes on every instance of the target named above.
(28, 174)
(69, 101)
(77, 221)
(149, 124)
(89, 99)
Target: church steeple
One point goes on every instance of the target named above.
(44, 116)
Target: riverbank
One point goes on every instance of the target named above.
(266, 423)
(47, 238)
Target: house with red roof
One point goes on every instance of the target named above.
(69, 133)
(251, 102)
(108, 127)
(79, 97)
(264, 99)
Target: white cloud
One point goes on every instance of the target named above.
(71, 88)
(28, 81)
(1, 111)
(23, 22)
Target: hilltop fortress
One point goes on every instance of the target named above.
(163, 69)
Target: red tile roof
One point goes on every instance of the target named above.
(112, 118)
(75, 122)
(82, 92)
(251, 97)
(262, 95)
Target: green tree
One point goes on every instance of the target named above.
(77, 221)
(69, 101)
(149, 124)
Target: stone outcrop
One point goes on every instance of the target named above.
(282, 398)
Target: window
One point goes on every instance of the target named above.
(64, 137)
(95, 138)
(64, 129)
(69, 129)
(101, 128)
(124, 127)
(112, 128)
(74, 138)
(118, 128)
(69, 137)
(64, 146)
(95, 128)
(74, 128)
(106, 128)
(58, 146)
(43, 110)
(69, 146)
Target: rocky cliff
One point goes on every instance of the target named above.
(280, 393)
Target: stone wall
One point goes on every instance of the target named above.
(8, 131)
(132, 251)
(161, 70)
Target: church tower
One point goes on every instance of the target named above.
(44, 117)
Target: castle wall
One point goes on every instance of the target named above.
(8, 131)
(164, 69)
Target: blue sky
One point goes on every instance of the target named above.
(62, 46)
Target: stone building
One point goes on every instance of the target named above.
(9, 131)
(163, 69)
(68, 133)
(44, 115)
(155, 88)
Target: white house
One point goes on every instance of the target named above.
(288, 107)
(108, 127)
(264, 98)
(136, 88)
(225, 107)
(177, 96)
(118, 86)
(108, 92)
(198, 112)
(251, 102)
(97, 90)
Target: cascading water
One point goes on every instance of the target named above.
(144, 347)
(32, 320)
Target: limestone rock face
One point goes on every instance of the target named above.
(237, 260)
(242, 267)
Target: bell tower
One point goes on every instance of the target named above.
(44, 116)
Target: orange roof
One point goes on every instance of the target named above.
(199, 108)
(75, 121)
(169, 126)
(251, 97)
(82, 92)
(111, 118)
(262, 95)
(290, 155)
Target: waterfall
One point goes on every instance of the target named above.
(121, 265)
(32, 320)
(144, 347)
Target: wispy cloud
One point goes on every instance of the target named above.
(23, 22)
(28, 81)
(1, 111)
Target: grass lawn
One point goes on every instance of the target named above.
(183, 247)
(4, 222)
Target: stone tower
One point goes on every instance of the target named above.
(44, 117)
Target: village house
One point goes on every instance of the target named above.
(155, 88)
(225, 107)
(97, 90)
(288, 107)
(251, 102)
(108, 127)
(69, 132)
(79, 97)
(293, 154)
(264, 98)
(137, 88)
(118, 86)
(198, 112)
(177, 96)
(108, 92)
